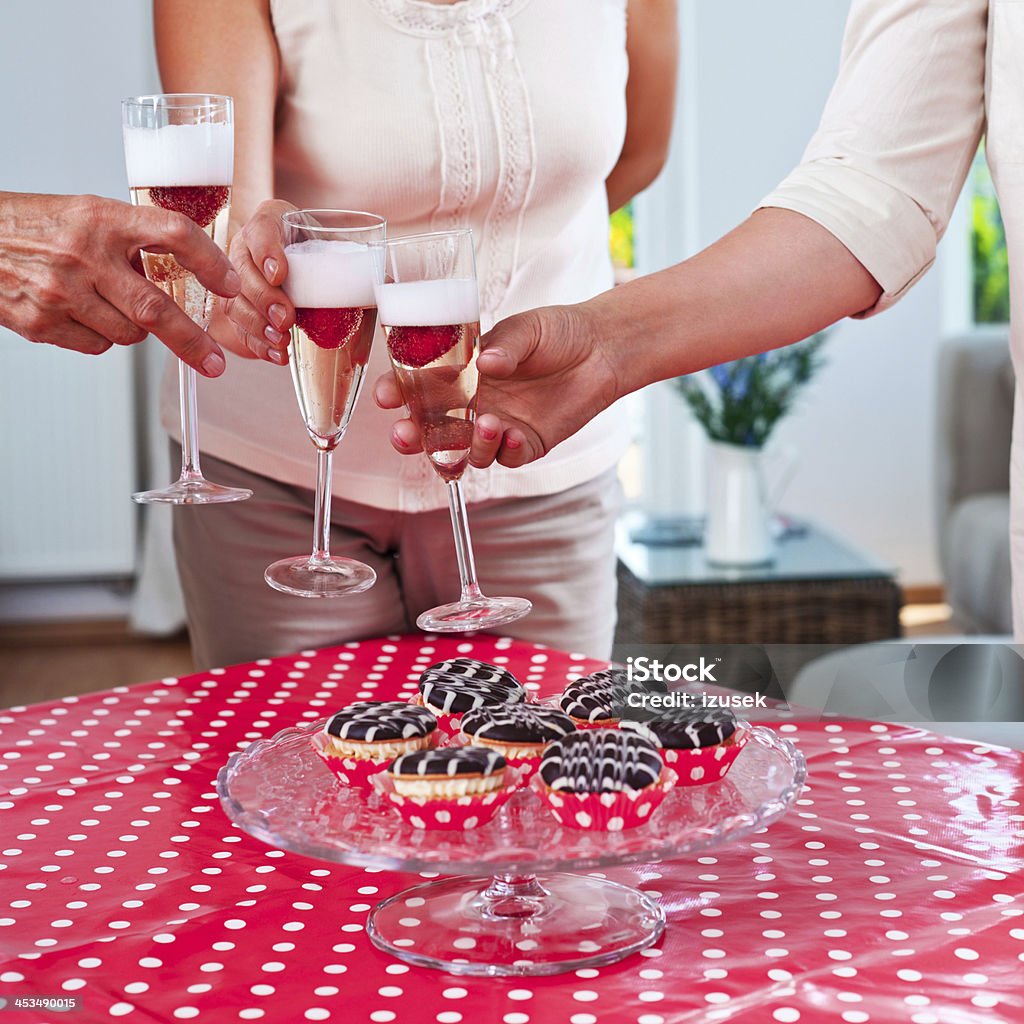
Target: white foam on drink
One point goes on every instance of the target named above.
(324, 274)
(179, 154)
(428, 303)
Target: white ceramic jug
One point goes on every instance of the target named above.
(739, 517)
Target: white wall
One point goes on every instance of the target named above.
(755, 79)
(67, 460)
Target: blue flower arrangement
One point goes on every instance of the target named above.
(740, 402)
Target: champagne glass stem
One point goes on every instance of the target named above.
(322, 519)
(190, 468)
(463, 542)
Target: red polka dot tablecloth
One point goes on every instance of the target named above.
(894, 891)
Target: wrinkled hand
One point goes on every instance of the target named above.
(262, 313)
(70, 275)
(543, 375)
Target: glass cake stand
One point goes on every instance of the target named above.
(518, 904)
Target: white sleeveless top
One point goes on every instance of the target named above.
(505, 116)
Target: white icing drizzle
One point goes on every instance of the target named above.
(600, 761)
(518, 723)
(449, 762)
(373, 721)
(462, 684)
(685, 729)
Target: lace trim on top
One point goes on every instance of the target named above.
(421, 16)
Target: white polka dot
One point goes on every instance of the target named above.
(317, 1013)
(584, 995)
(389, 991)
(454, 993)
(186, 1013)
(136, 987)
(382, 1016)
(71, 985)
(121, 1009)
(250, 1014)
(786, 1015)
(650, 996)
(516, 1018)
(965, 954)
(519, 993)
(449, 1017)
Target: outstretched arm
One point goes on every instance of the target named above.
(547, 372)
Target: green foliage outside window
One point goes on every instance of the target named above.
(988, 249)
(620, 237)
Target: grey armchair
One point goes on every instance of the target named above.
(976, 386)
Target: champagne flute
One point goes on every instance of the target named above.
(429, 305)
(330, 283)
(179, 152)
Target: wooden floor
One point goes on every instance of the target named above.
(46, 662)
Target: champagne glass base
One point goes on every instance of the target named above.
(194, 491)
(534, 926)
(333, 577)
(475, 614)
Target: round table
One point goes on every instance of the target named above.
(893, 892)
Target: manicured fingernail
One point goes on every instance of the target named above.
(511, 442)
(213, 365)
(278, 356)
(232, 281)
(277, 314)
(270, 269)
(274, 336)
(500, 352)
(487, 433)
(399, 440)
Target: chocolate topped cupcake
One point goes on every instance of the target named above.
(600, 697)
(448, 771)
(378, 730)
(516, 730)
(600, 761)
(686, 729)
(461, 684)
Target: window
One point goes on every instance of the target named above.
(989, 274)
(620, 242)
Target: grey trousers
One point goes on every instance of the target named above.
(556, 550)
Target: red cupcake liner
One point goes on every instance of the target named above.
(605, 812)
(457, 814)
(353, 771)
(704, 765)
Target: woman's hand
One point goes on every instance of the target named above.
(262, 313)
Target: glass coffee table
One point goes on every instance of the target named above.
(820, 590)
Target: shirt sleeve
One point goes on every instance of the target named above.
(897, 137)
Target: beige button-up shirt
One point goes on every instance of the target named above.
(919, 83)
